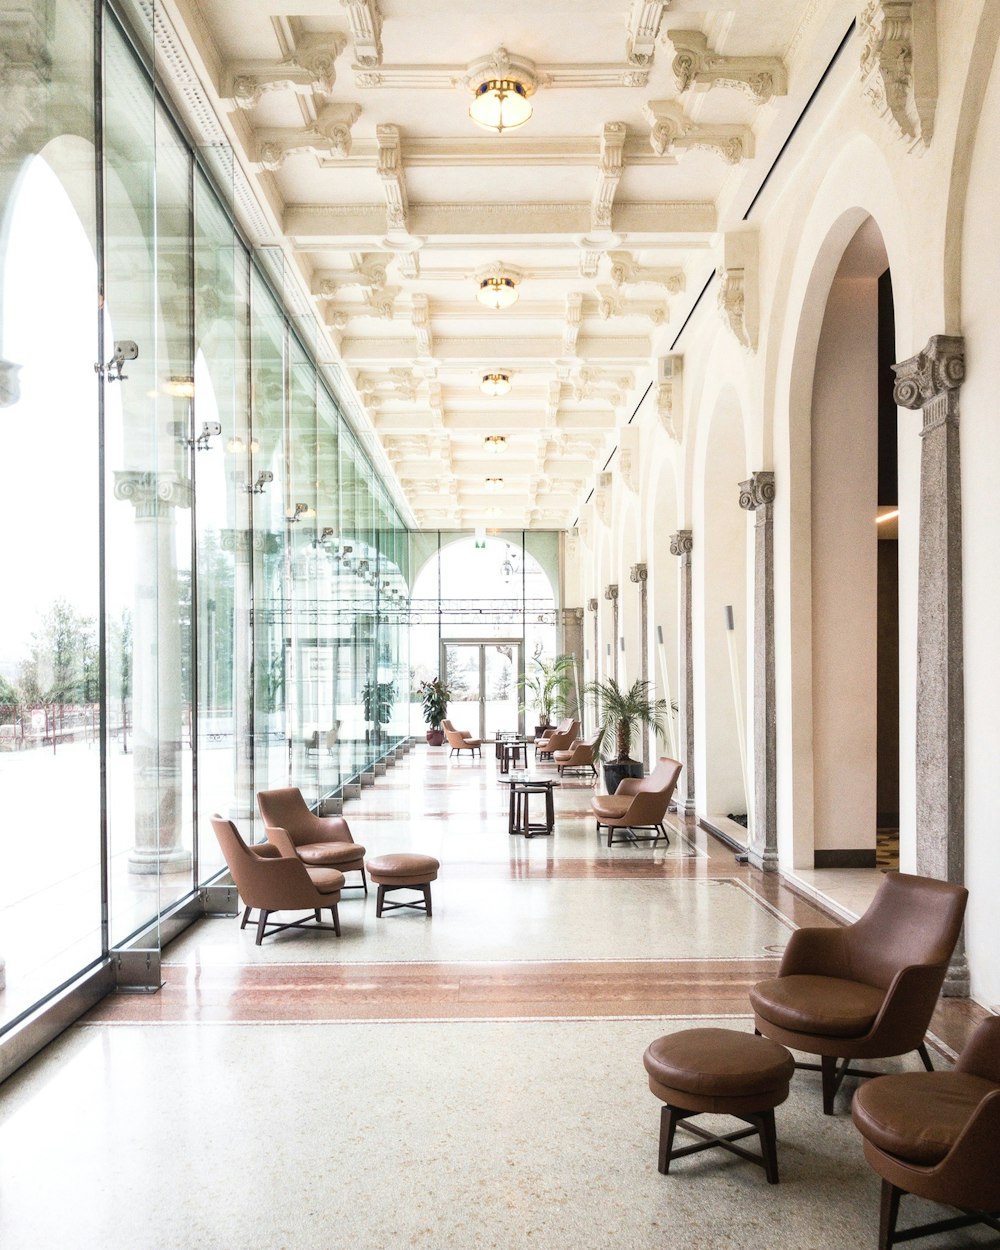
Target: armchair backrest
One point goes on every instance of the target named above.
(446, 725)
(455, 739)
(651, 795)
(912, 920)
(285, 808)
(981, 1053)
(269, 883)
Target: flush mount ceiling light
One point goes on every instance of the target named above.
(497, 383)
(494, 483)
(497, 291)
(495, 443)
(500, 85)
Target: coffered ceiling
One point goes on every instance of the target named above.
(654, 123)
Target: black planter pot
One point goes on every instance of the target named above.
(615, 770)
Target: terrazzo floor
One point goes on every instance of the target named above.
(470, 1080)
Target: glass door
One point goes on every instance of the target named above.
(482, 678)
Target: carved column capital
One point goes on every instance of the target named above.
(757, 491)
(571, 616)
(151, 493)
(638, 573)
(611, 593)
(938, 368)
(681, 543)
(591, 605)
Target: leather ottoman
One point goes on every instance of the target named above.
(403, 871)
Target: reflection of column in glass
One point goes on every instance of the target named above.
(734, 673)
(157, 694)
(665, 678)
(611, 594)
(238, 542)
(595, 674)
(640, 574)
(681, 545)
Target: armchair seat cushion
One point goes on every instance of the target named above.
(326, 880)
(827, 1006)
(916, 1119)
(611, 806)
(331, 854)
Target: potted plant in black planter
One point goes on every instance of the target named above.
(434, 696)
(620, 714)
(546, 688)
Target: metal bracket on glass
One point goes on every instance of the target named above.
(257, 488)
(125, 349)
(136, 970)
(220, 900)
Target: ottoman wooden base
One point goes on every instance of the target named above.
(403, 872)
(698, 1071)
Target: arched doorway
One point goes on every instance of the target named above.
(854, 580)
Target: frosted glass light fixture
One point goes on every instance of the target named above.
(497, 291)
(500, 104)
(496, 383)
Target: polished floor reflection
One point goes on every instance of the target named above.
(471, 1080)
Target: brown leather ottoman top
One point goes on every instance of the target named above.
(403, 868)
(718, 1070)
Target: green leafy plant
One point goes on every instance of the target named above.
(434, 696)
(378, 698)
(546, 687)
(622, 713)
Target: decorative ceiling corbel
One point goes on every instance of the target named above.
(669, 395)
(739, 286)
(602, 497)
(899, 66)
(628, 457)
(698, 67)
(672, 133)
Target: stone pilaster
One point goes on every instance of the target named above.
(930, 381)
(571, 622)
(681, 545)
(596, 670)
(639, 575)
(611, 594)
(156, 693)
(757, 496)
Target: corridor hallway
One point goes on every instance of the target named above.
(472, 1080)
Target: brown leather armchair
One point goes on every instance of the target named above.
(560, 739)
(319, 841)
(935, 1135)
(638, 803)
(865, 991)
(281, 883)
(579, 755)
(461, 740)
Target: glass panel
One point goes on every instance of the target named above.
(50, 924)
(223, 525)
(268, 493)
(500, 663)
(463, 679)
(328, 623)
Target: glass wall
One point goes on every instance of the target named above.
(206, 580)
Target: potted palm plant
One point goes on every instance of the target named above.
(620, 714)
(434, 696)
(546, 688)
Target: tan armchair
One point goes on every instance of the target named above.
(935, 1135)
(281, 883)
(560, 739)
(461, 740)
(638, 803)
(579, 756)
(319, 841)
(865, 991)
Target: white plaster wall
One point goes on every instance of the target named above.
(844, 567)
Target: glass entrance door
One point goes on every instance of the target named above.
(482, 678)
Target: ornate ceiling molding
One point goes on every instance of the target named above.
(628, 457)
(643, 26)
(613, 304)
(670, 397)
(308, 70)
(330, 137)
(610, 171)
(739, 286)
(421, 318)
(625, 272)
(502, 63)
(574, 319)
(899, 66)
(673, 133)
(390, 171)
(366, 31)
(697, 66)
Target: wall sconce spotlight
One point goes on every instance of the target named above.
(257, 488)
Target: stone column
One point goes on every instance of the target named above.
(638, 574)
(930, 381)
(681, 544)
(571, 620)
(757, 496)
(611, 594)
(596, 671)
(156, 693)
